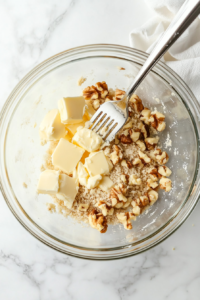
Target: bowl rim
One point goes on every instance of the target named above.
(79, 50)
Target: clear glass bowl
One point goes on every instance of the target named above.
(22, 155)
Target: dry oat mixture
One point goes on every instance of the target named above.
(137, 167)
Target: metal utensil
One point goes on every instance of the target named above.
(109, 114)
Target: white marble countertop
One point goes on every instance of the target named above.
(31, 31)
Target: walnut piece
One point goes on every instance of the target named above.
(83, 206)
(164, 171)
(157, 121)
(144, 158)
(166, 184)
(141, 145)
(137, 162)
(125, 219)
(159, 156)
(136, 210)
(96, 104)
(125, 139)
(90, 93)
(151, 183)
(81, 80)
(145, 115)
(134, 180)
(153, 196)
(134, 135)
(106, 209)
(136, 103)
(125, 178)
(116, 156)
(117, 196)
(98, 221)
(119, 94)
(151, 142)
(102, 89)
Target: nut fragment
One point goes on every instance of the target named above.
(83, 206)
(141, 145)
(153, 196)
(98, 221)
(102, 88)
(159, 156)
(151, 142)
(128, 125)
(137, 162)
(151, 183)
(125, 219)
(117, 196)
(144, 158)
(125, 178)
(116, 156)
(164, 171)
(157, 121)
(145, 115)
(90, 93)
(106, 209)
(125, 139)
(134, 180)
(119, 94)
(165, 184)
(96, 104)
(136, 103)
(136, 210)
(134, 135)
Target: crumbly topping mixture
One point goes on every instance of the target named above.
(137, 166)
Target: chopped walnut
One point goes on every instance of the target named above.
(117, 196)
(159, 156)
(136, 103)
(166, 184)
(144, 200)
(133, 179)
(137, 162)
(153, 196)
(83, 206)
(90, 93)
(136, 210)
(157, 121)
(119, 94)
(164, 171)
(116, 156)
(125, 219)
(134, 135)
(151, 142)
(125, 139)
(98, 221)
(144, 129)
(145, 115)
(151, 183)
(106, 209)
(144, 158)
(141, 145)
(128, 125)
(126, 163)
(102, 88)
(96, 104)
(125, 178)
(81, 80)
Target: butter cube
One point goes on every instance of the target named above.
(71, 109)
(82, 174)
(106, 184)
(93, 181)
(73, 127)
(87, 139)
(51, 127)
(48, 182)
(67, 190)
(66, 156)
(97, 164)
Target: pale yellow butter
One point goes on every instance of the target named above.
(93, 181)
(71, 109)
(66, 156)
(67, 190)
(48, 182)
(82, 174)
(97, 164)
(73, 127)
(106, 184)
(51, 127)
(87, 139)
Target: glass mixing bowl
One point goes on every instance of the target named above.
(22, 155)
